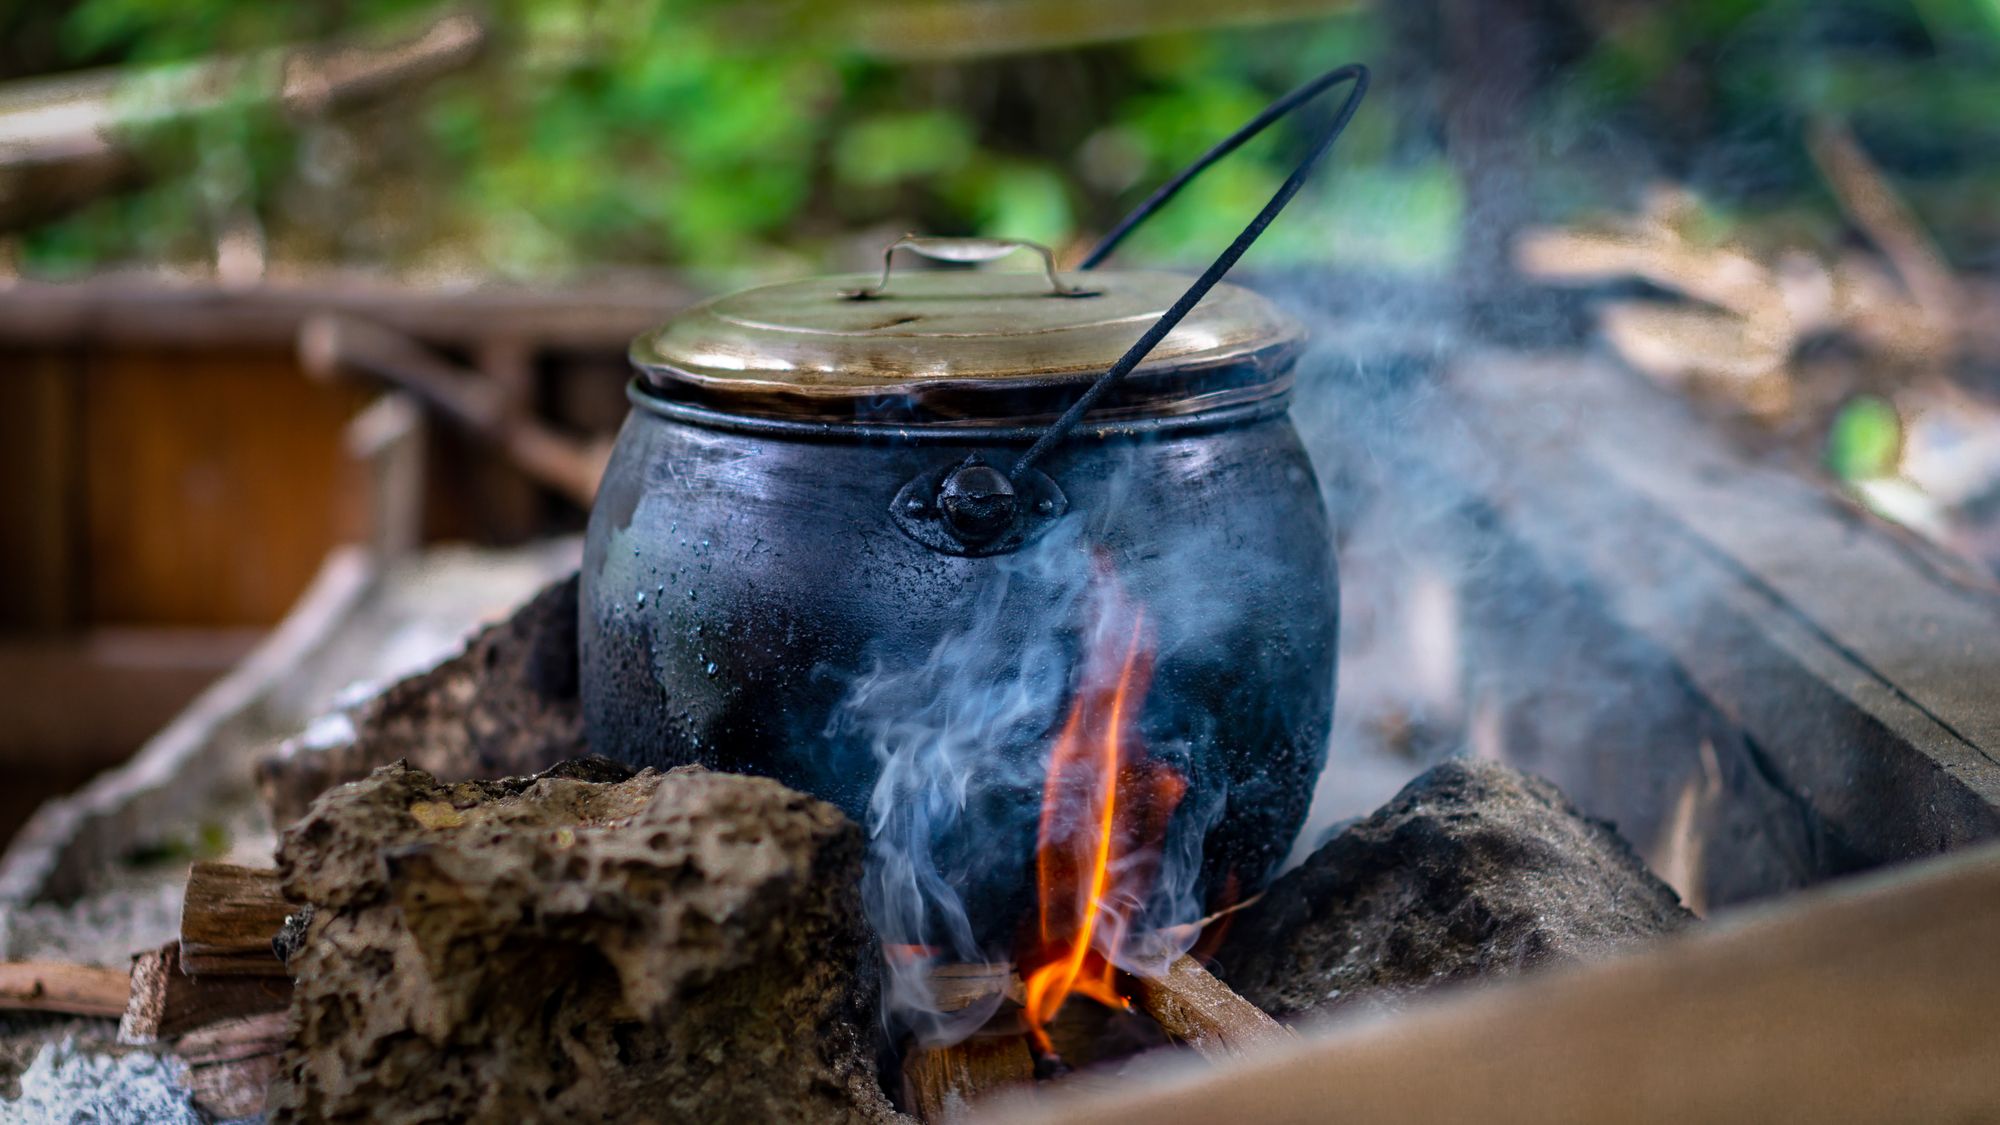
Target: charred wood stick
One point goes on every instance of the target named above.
(941, 1083)
(57, 986)
(166, 1003)
(331, 345)
(1194, 1008)
(229, 918)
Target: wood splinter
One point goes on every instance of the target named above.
(1194, 1008)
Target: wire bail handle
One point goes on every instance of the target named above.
(1353, 73)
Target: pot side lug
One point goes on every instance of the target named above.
(917, 512)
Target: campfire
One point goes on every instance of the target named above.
(909, 696)
(953, 814)
(1101, 832)
(1104, 814)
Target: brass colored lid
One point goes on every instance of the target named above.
(965, 346)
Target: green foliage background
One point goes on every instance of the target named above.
(726, 138)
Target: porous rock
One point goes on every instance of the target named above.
(587, 944)
(1473, 870)
(507, 705)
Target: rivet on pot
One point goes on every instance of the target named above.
(978, 501)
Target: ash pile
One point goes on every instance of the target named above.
(473, 919)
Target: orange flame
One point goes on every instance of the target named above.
(1104, 813)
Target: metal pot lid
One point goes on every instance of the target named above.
(970, 347)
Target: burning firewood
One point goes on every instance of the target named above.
(955, 988)
(1194, 1008)
(1188, 1005)
(55, 986)
(228, 919)
(941, 1083)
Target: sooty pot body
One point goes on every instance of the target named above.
(737, 586)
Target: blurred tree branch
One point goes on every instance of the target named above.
(906, 30)
(65, 140)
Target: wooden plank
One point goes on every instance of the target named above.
(509, 501)
(217, 484)
(57, 687)
(55, 730)
(141, 310)
(228, 918)
(206, 745)
(389, 440)
(1856, 662)
(40, 528)
(53, 986)
(1915, 620)
(1868, 1001)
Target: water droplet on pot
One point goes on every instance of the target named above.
(641, 599)
(711, 667)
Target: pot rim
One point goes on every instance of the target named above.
(959, 347)
(1273, 402)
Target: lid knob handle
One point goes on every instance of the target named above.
(978, 501)
(966, 250)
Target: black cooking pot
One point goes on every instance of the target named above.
(824, 479)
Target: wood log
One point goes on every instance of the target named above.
(233, 1040)
(1194, 1008)
(231, 1064)
(233, 1089)
(228, 918)
(955, 988)
(942, 1083)
(56, 986)
(166, 1003)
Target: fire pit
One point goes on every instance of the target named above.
(612, 942)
